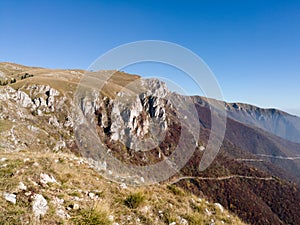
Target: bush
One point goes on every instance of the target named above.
(175, 190)
(91, 216)
(134, 200)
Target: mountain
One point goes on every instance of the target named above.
(68, 129)
(271, 120)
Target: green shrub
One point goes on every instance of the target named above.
(134, 200)
(175, 190)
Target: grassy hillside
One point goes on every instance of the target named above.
(78, 195)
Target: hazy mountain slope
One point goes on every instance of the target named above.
(270, 120)
(273, 121)
(263, 145)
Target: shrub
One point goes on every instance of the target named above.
(175, 190)
(134, 200)
(91, 216)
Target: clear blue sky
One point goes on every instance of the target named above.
(252, 46)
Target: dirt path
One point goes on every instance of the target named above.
(222, 178)
(280, 157)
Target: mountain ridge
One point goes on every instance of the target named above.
(36, 114)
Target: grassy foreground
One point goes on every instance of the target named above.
(76, 194)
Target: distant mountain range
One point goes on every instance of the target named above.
(256, 174)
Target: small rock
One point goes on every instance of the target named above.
(91, 195)
(3, 159)
(183, 221)
(36, 164)
(58, 201)
(59, 145)
(22, 186)
(75, 206)
(111, 218)
(10, 197)
(26, 160)
(62, 214)
(207, 212)
(202, 148)
(145, 209)
(123, 186)
(221, 208)
(45, 178)
(39, 112)
(39, 206)
(28, 193)
(173, 223)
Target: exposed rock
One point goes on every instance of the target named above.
(76, 206)
(22, 186)
(60, 211)
(45, 178)
(183, 221)
(123, 186)
(220, 207)
(39, 205)
(69, 122)
(59, 145)
(23, 99)
(146, 209)
(111, 218)
(62, 214)
(53, 121)
(10, 197)
(201, 148)
(209, 213)
(133, 118)
(2, 75)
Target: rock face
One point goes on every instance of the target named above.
(130, 118)
(34, 110)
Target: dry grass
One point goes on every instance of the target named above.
(157, 204)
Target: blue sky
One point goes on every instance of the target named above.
(252, 46)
